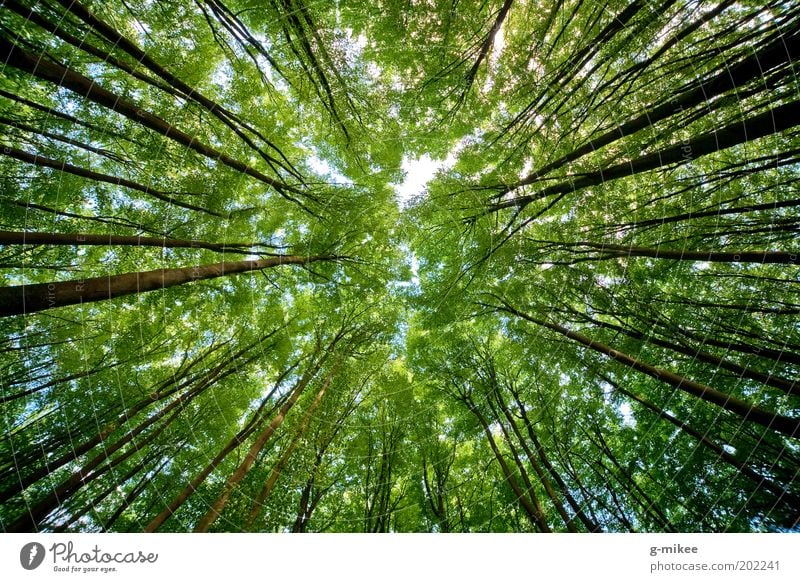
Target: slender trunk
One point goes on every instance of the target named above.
(487, 43)
(436, 493)
(89, 471)
(761, 481)
(37, 512)
(28, 299)
(316, 72)
(603, 473)
(104, 220)
(788, 386)
(269, 485)
(243, 469)
(715, 212)
(71, 121)
(537, 520)
(301, 520)
(435, 497)
(782, 355)
(548, 487)
(647, 503)
(310, 496)
(523, 473)
(579, 59)
(780, 52)
(770, 122)
(781, 308)
(589, 497)
(83, 86)
(250, 427)
(590, 524)
(172, 385)
(132, 495)
(22, 482)
(610, 251)
(174, 85)
(783, 424)
(44, 162)
(63, 139)
(55, 381)
(75, 515)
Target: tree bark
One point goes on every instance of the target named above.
(536, 518)
(31, 520)
(548, 487)
(250, 427)
(611, 251)
(772, 121)
(275, 474)
(171, 85)
(44, 162)
(72, 80)
(783, 424)
(779, 52)
(787, 386)
(19, 299)
(761, 481)
(590, 524)
(243, 469)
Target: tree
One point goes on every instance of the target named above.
(224, 310)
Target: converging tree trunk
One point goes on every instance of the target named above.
(26, 299)
(774, 421)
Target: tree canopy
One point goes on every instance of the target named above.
(389, 266)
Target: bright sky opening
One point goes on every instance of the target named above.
(419, 171)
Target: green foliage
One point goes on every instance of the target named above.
(428, 372)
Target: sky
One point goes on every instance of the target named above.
(419, 171)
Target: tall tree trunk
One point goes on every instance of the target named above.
(76, 514)
(34, 514)
(275, 474)
(781, 51)
(611, 251)
(523, 473)
(783, 424)
(535, 516)
(590, 524)
(548, 487)
(131, 496)
(253, 424)
(788, 386)
(83, 86)
(719, 339)
(773, 121)
(77, 450)
(301, 520)
(243, 469)
(27, 299)
(629, 483)
(44, 162)
(89, 471)
(170, 84)
(792, 501)
(486, 45)
(176, 382)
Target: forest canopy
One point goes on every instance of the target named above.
(399, 266)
